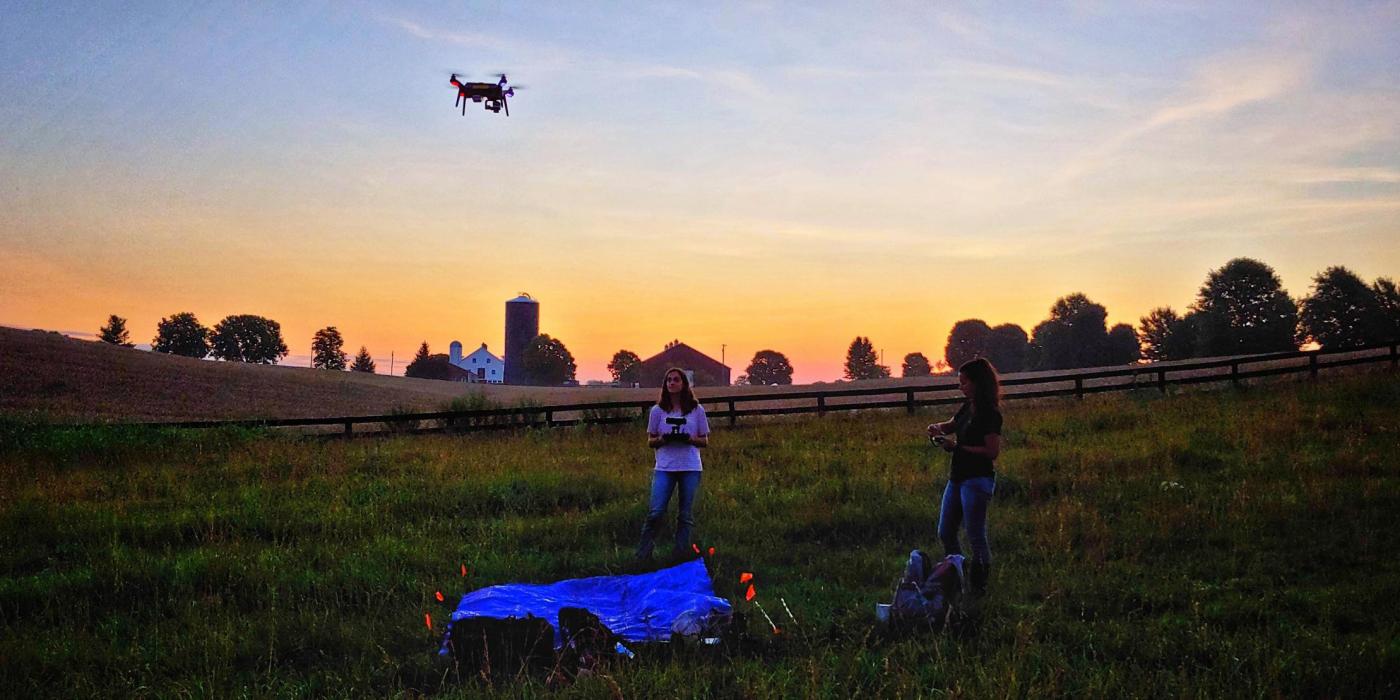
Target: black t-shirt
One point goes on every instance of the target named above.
(972, 430)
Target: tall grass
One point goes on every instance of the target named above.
(1230, 543)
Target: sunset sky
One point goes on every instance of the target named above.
(752, 175)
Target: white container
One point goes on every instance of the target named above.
(882, 612)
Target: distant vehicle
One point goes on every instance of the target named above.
(493, 94)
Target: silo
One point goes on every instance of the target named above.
(522, 325)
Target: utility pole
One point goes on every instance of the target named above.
(391, 363)
(722, 346)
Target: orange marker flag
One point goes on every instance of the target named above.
(712, 551)
(464, 570)
(439, 596)
(745, 577)
(428, 619)
(750, 593)
(695, 547)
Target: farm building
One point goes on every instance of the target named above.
(522, 325)
(481, 364)
(703, 369)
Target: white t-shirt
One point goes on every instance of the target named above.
(676, 456)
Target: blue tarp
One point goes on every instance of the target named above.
(637, 607)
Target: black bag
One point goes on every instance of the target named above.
(927, 593)
(496, 648)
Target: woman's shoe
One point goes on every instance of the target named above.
(978, 573)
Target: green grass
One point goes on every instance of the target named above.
(1227, 543)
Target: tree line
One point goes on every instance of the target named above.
(258, 340)
(238, 338)
(1241, 308)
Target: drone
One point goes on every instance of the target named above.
(494, 94)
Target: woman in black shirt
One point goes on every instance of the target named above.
(973, 478)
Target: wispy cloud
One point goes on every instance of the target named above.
(471, 39)
(962, 26)
(1005, 73)
(1218, 87)
(725, 79)
(663, 72)
(1328, 175)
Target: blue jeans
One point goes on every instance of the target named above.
(662, 483)
(965, 503)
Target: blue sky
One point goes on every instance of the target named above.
(784, 175)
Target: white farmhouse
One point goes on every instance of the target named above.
(481, 363)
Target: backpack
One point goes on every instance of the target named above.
(927, 593)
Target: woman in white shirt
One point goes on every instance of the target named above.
(676, 429)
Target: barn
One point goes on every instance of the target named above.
(484, 365)
(703, 369)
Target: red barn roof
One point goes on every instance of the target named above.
(705, 370)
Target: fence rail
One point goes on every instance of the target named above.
(1073, 383)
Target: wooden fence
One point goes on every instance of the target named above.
(824, 400)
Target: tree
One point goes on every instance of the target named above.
(1243, 309)
(326, 352)
(1122, 346)
(769, 367)
(626, 367)
(181, 334)
(546, 362)
(916, 365)
(1075, 335)
(1387, 309)
(1008, 348)
(1341, 312)
(969, 339)
(115, 332)
(430, 367)
(862, 363)
(363, 362)
(418, 366)
(1166, 335)
(247, 338)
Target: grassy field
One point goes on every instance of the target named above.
(53, 378)
(1233, 543)
(62, 379)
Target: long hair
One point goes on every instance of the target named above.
(986, 386)
(688, 402)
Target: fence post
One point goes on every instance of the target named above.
(549, 419)
(821, 405)
(909, 401)
(349, 428)
(1235, 373)
(1394, 355)
(732, 418)
(1079, 388)
(1162, 381)
(1312, 364)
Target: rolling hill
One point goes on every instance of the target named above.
(49, 375)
